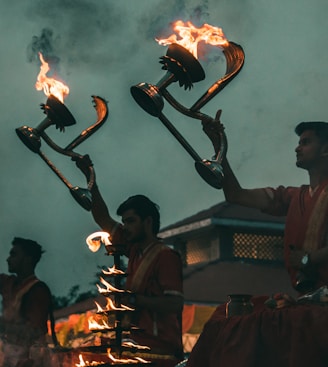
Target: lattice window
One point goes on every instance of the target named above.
(202, 249)
(255, 246)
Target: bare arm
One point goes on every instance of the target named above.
(233, 192)
(99, 208)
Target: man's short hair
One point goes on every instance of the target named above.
(143, 207)
(319, 127)
(30, 248)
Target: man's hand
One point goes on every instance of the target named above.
(213, 129)
(83, 163)
(295, 257)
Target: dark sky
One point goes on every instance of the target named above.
(103, 48)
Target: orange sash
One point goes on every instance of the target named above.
(318, 215)
(145, 264)
(12, 313)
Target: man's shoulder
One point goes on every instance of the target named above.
(6, 279)
(167, 250)
(40, 287)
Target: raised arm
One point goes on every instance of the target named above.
(233, 192)
(99, 208)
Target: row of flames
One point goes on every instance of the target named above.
(189, 38)
(94, 242)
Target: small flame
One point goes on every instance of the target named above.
(125, 360)
(191, 36)
(84, 364)
(97, 325)
(110, 306)
(94, 240)
(50, 86)
(109, 288)
(130, 344)
(113, 271)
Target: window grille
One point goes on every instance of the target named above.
(255, 246)
(202, 250)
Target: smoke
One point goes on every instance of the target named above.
(78, 32)
(46, 45)
(158, 22)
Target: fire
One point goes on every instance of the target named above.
(97, 325)
(109, 288)
(84, 364)
(136, 360)
(94, 240)
(110, 306)
(112, 271)
(191, 36)
(125, 360)
(50, 86)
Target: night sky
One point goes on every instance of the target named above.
(103, 48)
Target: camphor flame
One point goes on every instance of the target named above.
(110, 306)
(190, 36)
(50, 86)
(97, 325)
(125, 360)
(94, 240)
(112, 271)
(109, 288)
(85, 364)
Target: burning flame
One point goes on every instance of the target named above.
(122, 361)
(110, 306)
(125, 360)
(97, 325)
(109, 288)
(94, 240)
(50, 86)
(84, 364)
(191, 36)
(132, 344)
(112, 271)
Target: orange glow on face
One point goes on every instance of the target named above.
(190, 36)
(50, 86)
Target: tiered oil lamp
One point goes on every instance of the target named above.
(114, 318)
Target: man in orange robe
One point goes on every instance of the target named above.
(26, 303)
(294, 334)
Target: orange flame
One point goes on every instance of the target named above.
(50, 86)
(109, 288)
(125, 360)
(97, 325)
(191, 36)
(87, 363)
(110, 306)
(94, 240)
(113, 270)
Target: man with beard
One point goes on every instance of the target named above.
(154, 273)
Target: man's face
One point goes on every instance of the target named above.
(309, 150)
(133, 226)
(16, 259)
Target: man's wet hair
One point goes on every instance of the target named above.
(143, 207)
(319, 127)
(31, 248)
